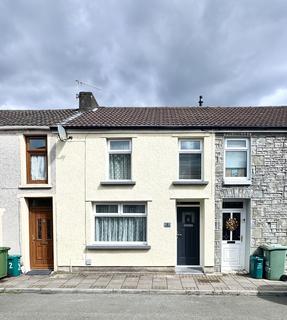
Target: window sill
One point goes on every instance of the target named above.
(117, 247)
(115, 183)
(189, 183)
(238, 183)
(35, 186)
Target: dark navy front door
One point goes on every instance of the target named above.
(188, 235)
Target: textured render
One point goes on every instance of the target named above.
(13, 173)
(82, 165)
(10, 179)
(267, 195)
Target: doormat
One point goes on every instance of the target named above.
(207, 280)
(45, 272)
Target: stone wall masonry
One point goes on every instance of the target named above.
(267, 192)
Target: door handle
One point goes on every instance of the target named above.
(241, 238)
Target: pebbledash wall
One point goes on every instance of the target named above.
(14, 191)
(9, 182)
(266, 196)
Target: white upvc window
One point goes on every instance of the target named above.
(236, 160)
(120, 223)
(120, 152)
(190, 159)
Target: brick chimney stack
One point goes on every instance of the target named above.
(87, 101)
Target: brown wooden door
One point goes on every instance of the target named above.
(41, 238)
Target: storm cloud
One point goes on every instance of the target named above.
(143, 52)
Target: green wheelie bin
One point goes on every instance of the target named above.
(274, 260)
(14, 265)
(3, 261)
(256, 267)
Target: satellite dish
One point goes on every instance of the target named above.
(62, 133)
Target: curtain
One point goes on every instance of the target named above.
(120, 166)
(38, 168)
(120, 229)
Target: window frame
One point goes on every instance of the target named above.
(129, 151)
(235, 180)
(30, 153)
(191, 151)
(120, 214)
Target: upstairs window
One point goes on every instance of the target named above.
(36, 159)
(190, 159)
(119, 159)
(237, 159)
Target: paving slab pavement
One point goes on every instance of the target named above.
(192, 284)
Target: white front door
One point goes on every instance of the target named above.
(233, 240)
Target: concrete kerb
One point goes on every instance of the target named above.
(143, 291)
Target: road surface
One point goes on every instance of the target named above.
(139, 306)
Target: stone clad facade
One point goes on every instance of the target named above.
(266, 196)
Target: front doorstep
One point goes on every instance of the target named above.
(188, 270)
(208, 269)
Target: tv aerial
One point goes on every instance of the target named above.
(81, 83)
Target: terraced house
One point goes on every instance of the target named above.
(28, 184)
(135, 189)
(251, 185)
(157, 188)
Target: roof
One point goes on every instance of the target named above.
(151, 118)
(34, 117)
(181, 117)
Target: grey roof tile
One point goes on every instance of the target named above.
(34, 117)
(184, 117)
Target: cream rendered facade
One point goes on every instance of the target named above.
(82, 163)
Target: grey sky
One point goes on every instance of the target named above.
(143, 52)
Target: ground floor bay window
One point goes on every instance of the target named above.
(120, 224)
